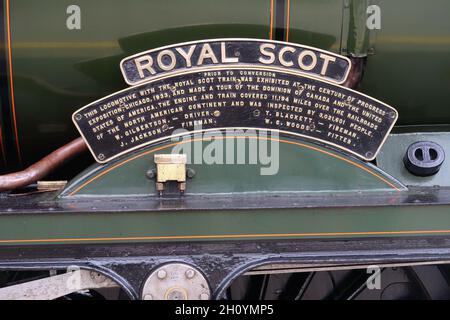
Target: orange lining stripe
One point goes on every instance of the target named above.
(231, 236)
(11, 84)
(271, 20)
(237, 137)
(288, 19)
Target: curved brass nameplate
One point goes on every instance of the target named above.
(235, 98)
(218, 53)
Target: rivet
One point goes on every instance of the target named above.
(189, 273)
(204, 296)
(162, 274)
(151, 174)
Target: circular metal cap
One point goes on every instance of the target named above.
(176, 281)
(424, 158)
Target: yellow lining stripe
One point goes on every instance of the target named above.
(232, 236)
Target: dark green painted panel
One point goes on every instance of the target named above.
(301, 167)
(225, 225)
(57, 70)
(316, 23)
(410, 69)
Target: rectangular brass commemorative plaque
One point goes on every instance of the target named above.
(217, 53)
(238, 97)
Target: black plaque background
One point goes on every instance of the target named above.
(364, 146)
(248, 52)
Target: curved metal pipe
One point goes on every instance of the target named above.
(356, 72)
(43, 167)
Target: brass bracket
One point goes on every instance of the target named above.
(170, 167)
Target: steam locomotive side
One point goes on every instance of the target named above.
(338, 108)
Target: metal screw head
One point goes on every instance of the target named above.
(148, 297)
(204, 296)
(78, 117)
(189, 273)
(162, 274)
(101, 156)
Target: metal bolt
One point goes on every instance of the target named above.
(101, 156)
(190, 173)
(162, 274)
(189, 273)
(151, 174)
(369, 154)
(78, 117)
(148, 297)
(204, 296)
(256, 113)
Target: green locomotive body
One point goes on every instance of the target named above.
(325, 207)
